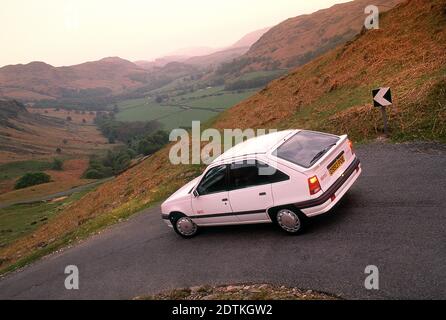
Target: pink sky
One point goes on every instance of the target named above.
(65, 32)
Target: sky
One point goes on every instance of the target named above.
(67, 32)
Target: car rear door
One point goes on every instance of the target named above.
(211, 205)
(250, 192)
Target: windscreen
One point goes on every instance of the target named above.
(306, 147)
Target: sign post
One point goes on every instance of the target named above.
(382, 97)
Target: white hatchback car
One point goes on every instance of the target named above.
(283, 177)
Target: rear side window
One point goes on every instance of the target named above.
(306, 147)
(249, 174)
(274, 175)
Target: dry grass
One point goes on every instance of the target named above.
(62, 114)
(240, 292)
(292, 40)
(39, 139)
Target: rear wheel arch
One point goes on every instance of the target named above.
(273, 211)
(292, 220)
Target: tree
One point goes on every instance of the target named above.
(59, 150)
(32, 179)
(69, 118)
(153, 142)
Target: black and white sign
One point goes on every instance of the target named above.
(382, 97)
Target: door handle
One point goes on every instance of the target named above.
(262, 194)
(224, 200)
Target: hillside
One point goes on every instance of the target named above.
(97, 84)
(331, 93)
(298, 40)
(249, 39)
(25, 135)
(217, 58)
(239, 48)
(29, 141)
(206, 57)
(41, 81)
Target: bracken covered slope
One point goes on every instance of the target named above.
(298, 40)
(331, 93)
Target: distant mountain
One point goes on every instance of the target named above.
(160, 62)
(298, 40)
(249, 39)
(193, 51)
(218, 57)
(205, 56)
(41, 81)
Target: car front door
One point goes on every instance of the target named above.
(250, 192)
(211, 201)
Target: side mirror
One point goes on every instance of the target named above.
(196, 194)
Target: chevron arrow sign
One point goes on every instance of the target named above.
(382, 97)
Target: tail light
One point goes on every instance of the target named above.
(350, 144)
(313, 184)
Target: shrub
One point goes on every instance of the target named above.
(32, 179)
(57, 164)
(94, 174)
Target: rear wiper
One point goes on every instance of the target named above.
(321, 153)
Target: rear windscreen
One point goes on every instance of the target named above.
(306, 147)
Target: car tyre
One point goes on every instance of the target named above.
(290, 221)
(184, 226)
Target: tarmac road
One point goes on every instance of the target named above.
(394, 217)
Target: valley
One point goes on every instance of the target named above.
(180, 110)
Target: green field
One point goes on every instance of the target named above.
(180, 111)
(16, 169)
(19, 220)
(261, 74)
(223, 101)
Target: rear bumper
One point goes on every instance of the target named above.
(332, 196)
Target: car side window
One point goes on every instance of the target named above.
(274, 175)
(248, 174)
(214, 181)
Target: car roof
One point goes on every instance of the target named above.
(257, 145)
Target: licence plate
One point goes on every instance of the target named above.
(336, 165)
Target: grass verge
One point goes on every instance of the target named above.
(86, 230)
